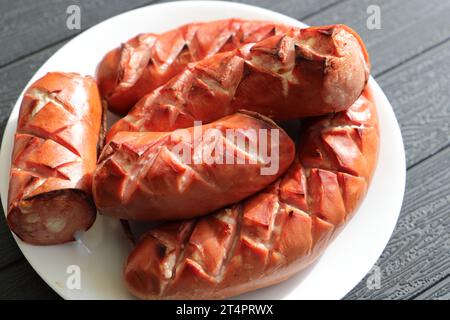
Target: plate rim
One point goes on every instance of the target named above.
(4, 174)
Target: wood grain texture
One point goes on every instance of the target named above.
(440, 291)
(413, 265)
(419, 92)
(293, 8)
(15, 76)
(417, 256)
(408, 27)
(27, 25)
(20, 281)
(9, 251)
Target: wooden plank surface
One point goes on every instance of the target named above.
(23, 283)
(440, 291)
(294, 8)
(15, 76)
(410, 53)
(408, 27)
(419, 92)
(28, 26)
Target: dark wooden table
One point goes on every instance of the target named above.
(411, 61)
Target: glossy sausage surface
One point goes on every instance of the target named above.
(274, 234)
(53, 160)
(145, 62)
(305, 72)
(190, 172)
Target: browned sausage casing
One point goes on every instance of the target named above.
(305, 72)
(54, 157)
(273, 234)
(149, 60)
(146, 175)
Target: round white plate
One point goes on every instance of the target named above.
(103, 250)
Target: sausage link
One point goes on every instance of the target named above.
(188, 173)
(273, 234)
(149, 60)
(54, 157)
(301, 73)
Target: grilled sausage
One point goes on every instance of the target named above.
(54, 157)
(273, 234)
(305, 72)
(149, 60)
(190, 172)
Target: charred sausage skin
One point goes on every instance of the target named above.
(149, 60)
(274, 234)
(145, 176)
(305, 72)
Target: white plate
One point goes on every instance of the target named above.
(345, 262)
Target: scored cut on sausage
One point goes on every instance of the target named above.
(53, 160)
(190, 172)
(274, 234)
(305, 72)
(146, 61)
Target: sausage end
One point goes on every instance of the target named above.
(53, 217)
